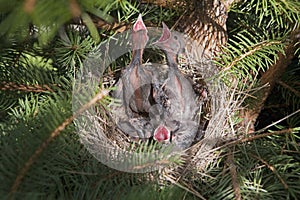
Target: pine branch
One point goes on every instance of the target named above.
(255, 137)
(272, 168)
(99, 96)
(11, 86)
(256, 48)
(47, 17)
(186, 188)
(270, 77)
(163, 3)
(177, 3)
(283, 84)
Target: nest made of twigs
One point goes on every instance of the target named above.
(100, 135)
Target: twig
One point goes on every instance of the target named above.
(154, 164)
(277, 122)
(255, 137)
(272, 169)
(233, 173)
(81, 173)
(53, 135)
(178, 20)
(74, 8)
(185, 188)
(29, 5)
(11, 86)
(283, 84)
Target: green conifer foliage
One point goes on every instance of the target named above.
(44, 44)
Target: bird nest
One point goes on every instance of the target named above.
(97, 126)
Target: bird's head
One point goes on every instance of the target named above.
(170, 42)
(139, 34)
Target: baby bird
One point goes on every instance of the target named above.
(133, 89)
(181, 107)
(136, 80)
(178, 88)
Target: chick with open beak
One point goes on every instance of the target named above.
(133, 89)
(136, 79)
(177, 89)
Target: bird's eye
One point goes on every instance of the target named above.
(175, 37)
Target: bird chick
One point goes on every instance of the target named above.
(177, 87)
(182, 106)
(136, 80)
(133, 89)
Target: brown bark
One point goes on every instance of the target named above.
(234, 175)
(269, 79)
(203, 21)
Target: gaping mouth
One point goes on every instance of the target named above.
(161, 133)
(166, 33)
(139, 24)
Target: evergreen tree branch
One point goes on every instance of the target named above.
(255, 137)
(186, 188)
(270, 77)
(177, 3)
(258, 47)
(283, 84)
(272, 169)
(11, 86)
(99, 96)
(163, 3)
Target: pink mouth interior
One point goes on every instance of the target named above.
(139, 24)
(161, 134)
(166, 33)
